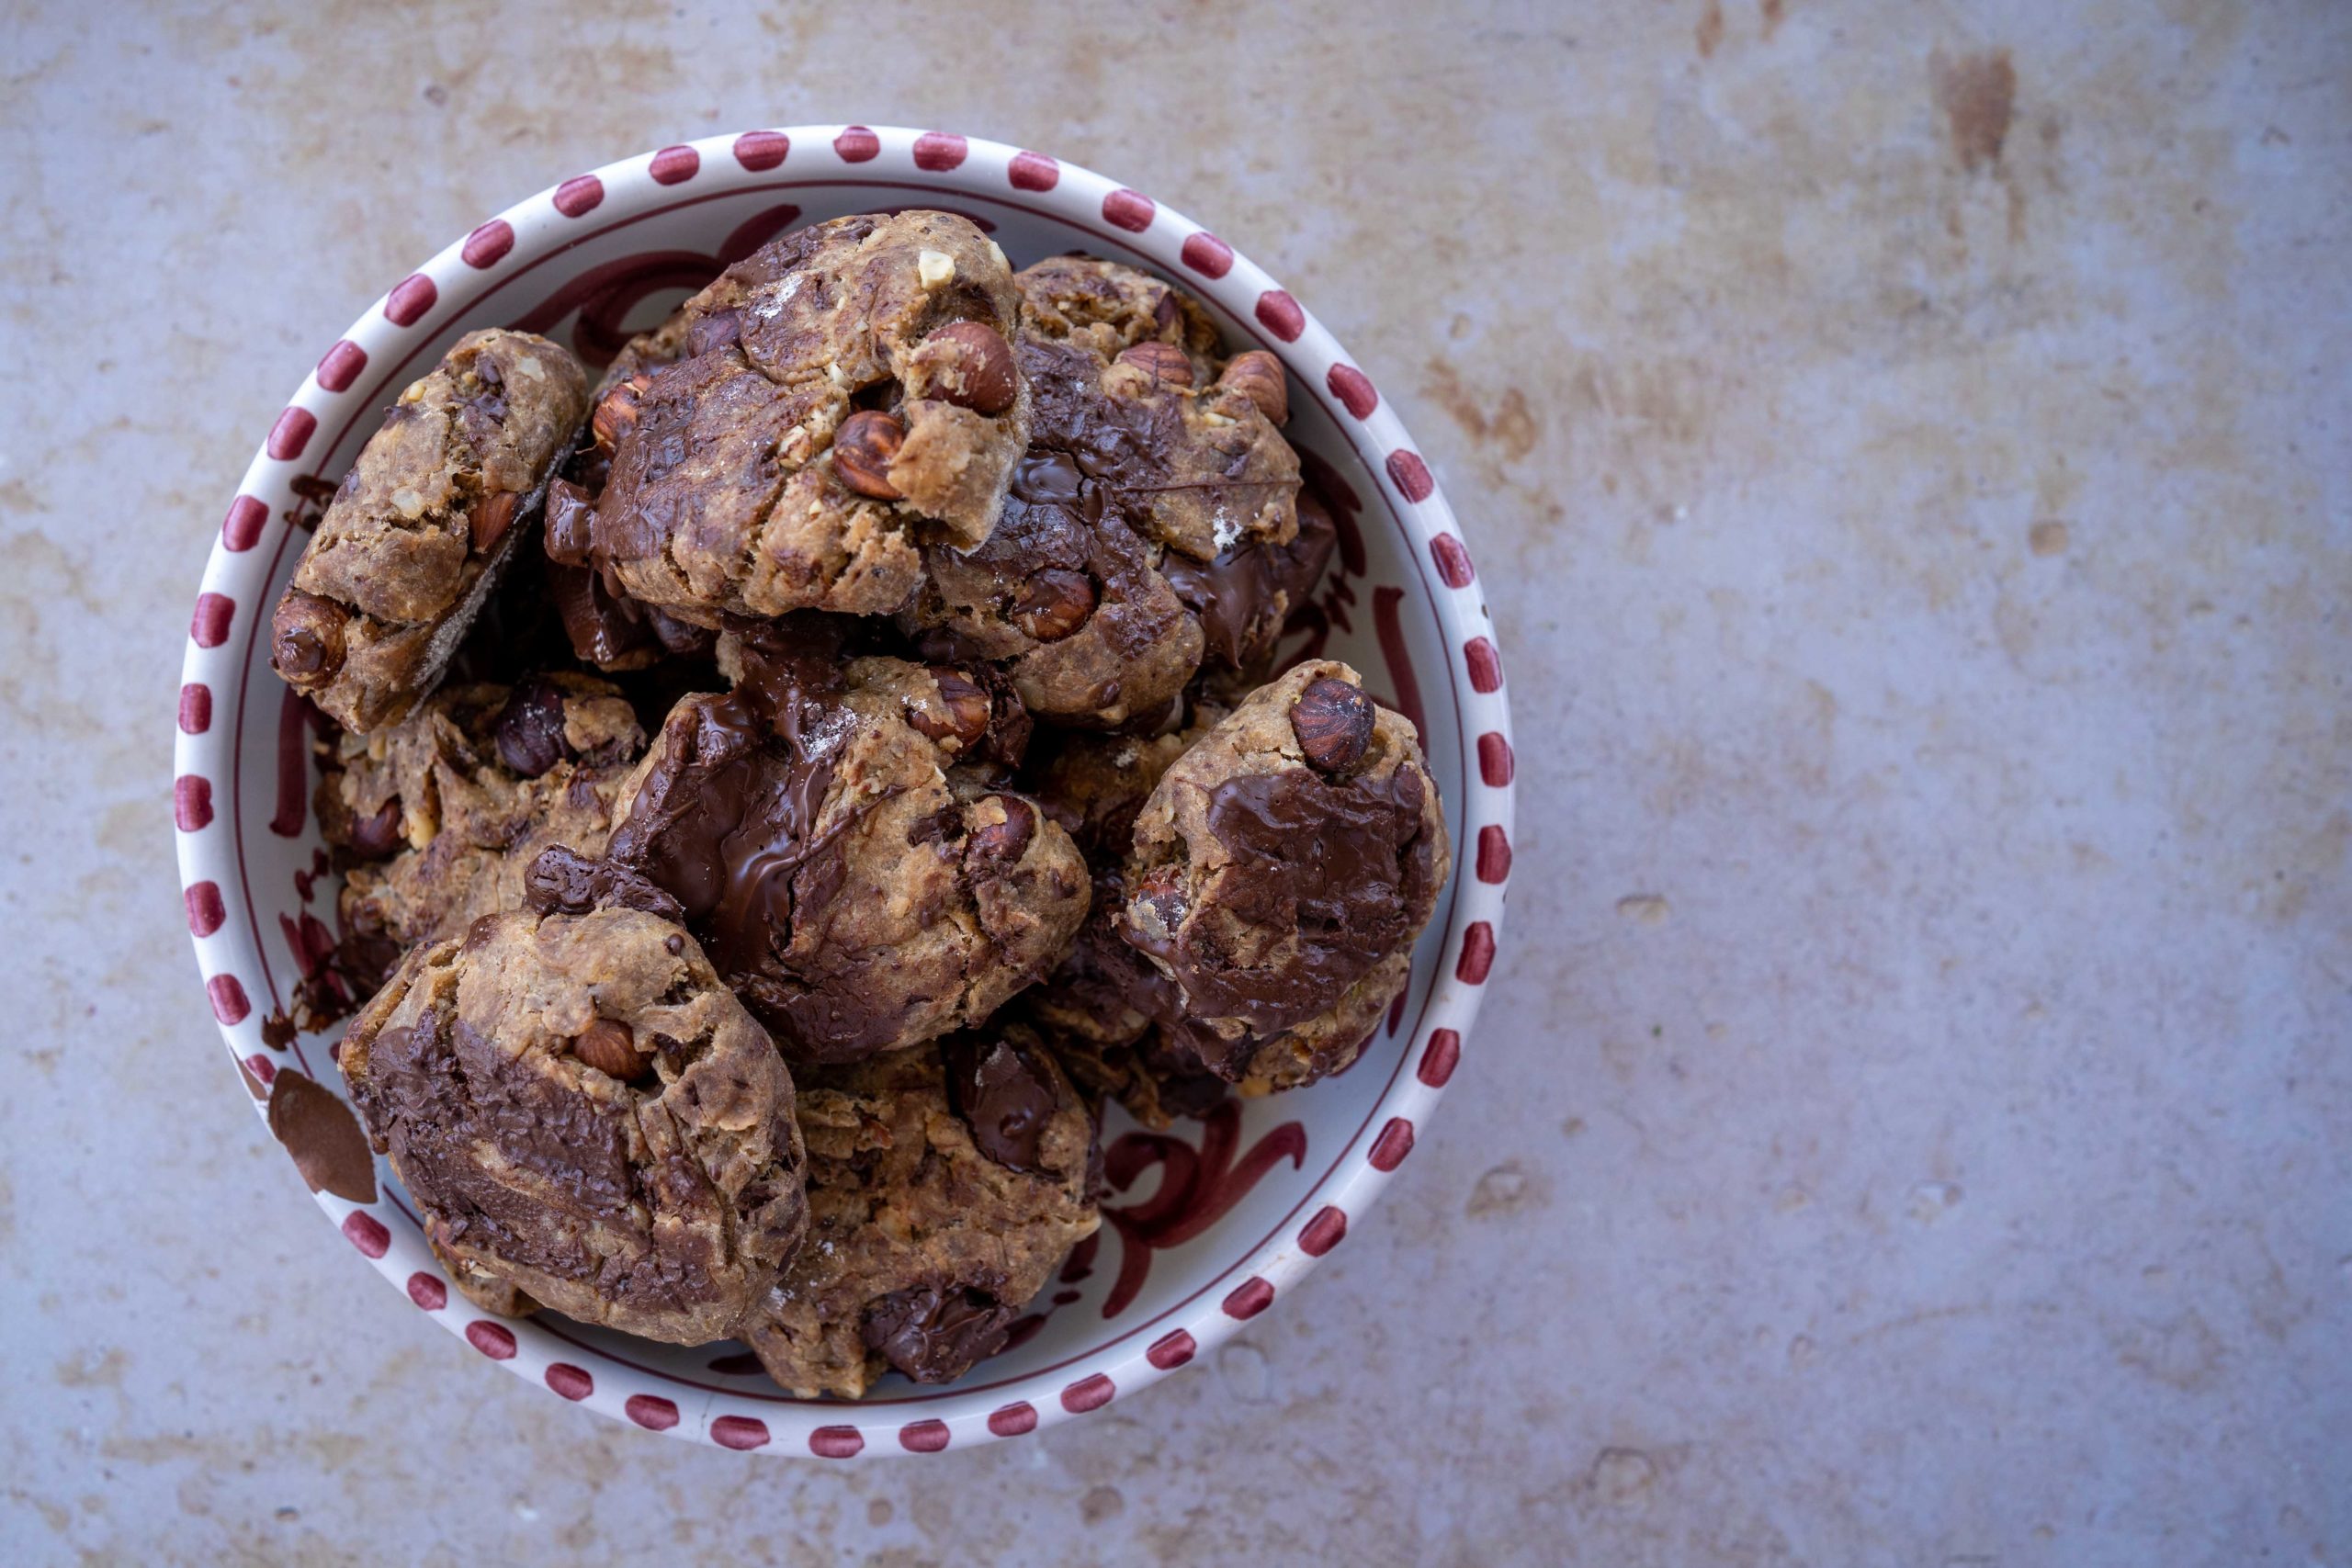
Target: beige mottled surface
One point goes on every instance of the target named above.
(1907, 449)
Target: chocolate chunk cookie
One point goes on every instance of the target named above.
(1152, 519)
(1279, 873)
(420, 529)
(839, 397)
(945, 1185)
(437, 820)
(587, 1120)
(829, 830)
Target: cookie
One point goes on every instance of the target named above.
(804, 424)
(1152, 520)
(1279, 874)
(833, 830)
(587, 1119)
(436, 820)
(946, 1186)
(423, 524)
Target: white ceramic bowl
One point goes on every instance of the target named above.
(1206, 1226)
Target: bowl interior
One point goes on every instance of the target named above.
(1195, 1215)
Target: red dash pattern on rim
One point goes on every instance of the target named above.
(1172, 1350)
(579, 196)
(675, 165)
(406, 304)
(856, 144)
(291, 434)
(1128, 209)
(739, 1432)
(924, 1437)
(1395, 1141)
(760, 150)
(230, 1004)
(427, 1291)
(1354, 388)
(1324, 1232)
(937, 152)
(206, 912)
(342, 364)
(191, 803)
(209, 625)
(1280, 314)
(1411, 477)
(1089, 1394)
(494, 1340)
(651, 1412)
(1497, 762)
(1033, 171)
(1014, 1419)
(1207, 254)
(1249, 1297)
(1494, 855)
(572, 1382)
(1483, 664)
(366, 1233)
(486, 246)
(241, 530)
(1477, 955)
(836, 1442)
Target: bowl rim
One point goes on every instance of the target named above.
(231, 608)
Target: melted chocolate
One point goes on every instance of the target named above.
(434, 1092)
(1243, 597)
(1004, 1091)
(1343, 865)
(932, 1333)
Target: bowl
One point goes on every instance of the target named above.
(1205, 1227)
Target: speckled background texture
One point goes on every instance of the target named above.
(1909, 452)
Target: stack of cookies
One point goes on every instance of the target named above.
(785, 789)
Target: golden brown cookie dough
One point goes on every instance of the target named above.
(422, 526)
(791, 438)
(830, 829)
(945, 1185)
(438, 818)
(1152, 519)
(1278, 875)
(587, 1120)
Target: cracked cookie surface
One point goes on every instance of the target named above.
(791, 438)
(587, 1120)
(420, 527)
(1151, 522)
(1280, 874)
(945, 1185)
(833, 831)
(438, 818)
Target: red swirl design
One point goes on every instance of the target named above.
(1196, 1188)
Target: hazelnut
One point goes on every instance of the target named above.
(378, 837)
(306, 639)
(1163, 362)
(961, 715)
(971, 365)
(934, 269)
(616, 412)
(1055, 605)
(863, 450)
(1259, 375)
(610, 1046)
(490, 516)
(1001, 843)
(1333, 723)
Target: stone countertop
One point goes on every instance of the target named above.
(1909, 453)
